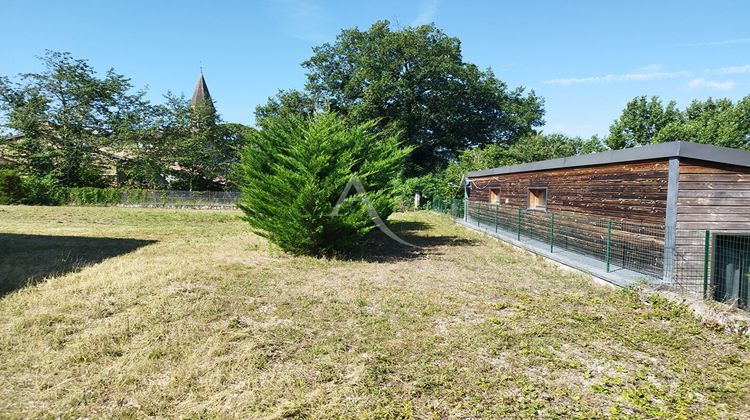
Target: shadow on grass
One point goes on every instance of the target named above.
(380, 248)
(28, 259)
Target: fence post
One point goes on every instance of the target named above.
(551, 232)
(497, 209)
(705, 263)
(519, 223)
(609, 236)
(479, 212)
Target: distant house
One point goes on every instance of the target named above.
(677, 214)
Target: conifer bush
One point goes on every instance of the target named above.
(11, 187)
(293, 171)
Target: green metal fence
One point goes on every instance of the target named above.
(454, 208)
(619, 245)
(127, 196)
(690, 273)
(701, 263)
(731, 269)
(187, 198)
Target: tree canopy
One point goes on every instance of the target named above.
(71, 118)
(191, 146)
(77, 127)
(719, 122)
(414, 81)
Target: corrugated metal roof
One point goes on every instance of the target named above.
(680, 149)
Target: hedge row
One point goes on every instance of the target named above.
(31, 190)
(103, 196)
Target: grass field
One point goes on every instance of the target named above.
(146, 312)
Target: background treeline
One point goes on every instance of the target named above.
(411, 83)
(33, 190)
(74, 128)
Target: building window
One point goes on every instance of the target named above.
(538, 198)
(495, 195)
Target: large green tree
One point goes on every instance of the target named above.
(285, 103)
(71, 119)
(414, 81)
(640, 121)
(719, 122)
(190, 146)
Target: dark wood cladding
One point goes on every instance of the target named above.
(712, 196)
(633, 191)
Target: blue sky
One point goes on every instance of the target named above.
(586, 58)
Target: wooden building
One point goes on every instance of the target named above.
(678, 190)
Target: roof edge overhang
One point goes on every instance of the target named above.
(679, 149)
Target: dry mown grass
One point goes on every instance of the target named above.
(194, 316)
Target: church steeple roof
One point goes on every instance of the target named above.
(201, 93)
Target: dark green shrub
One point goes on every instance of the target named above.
(45, 191)
(294, 170)
(95, 196)
(11, 187)
(92, 196)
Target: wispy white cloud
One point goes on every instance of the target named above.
(624, 77)
(710, 84)
(657, 71)
(649, 68)
(719, 43)
(428, 10)
(732, 70)
(303, 19)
